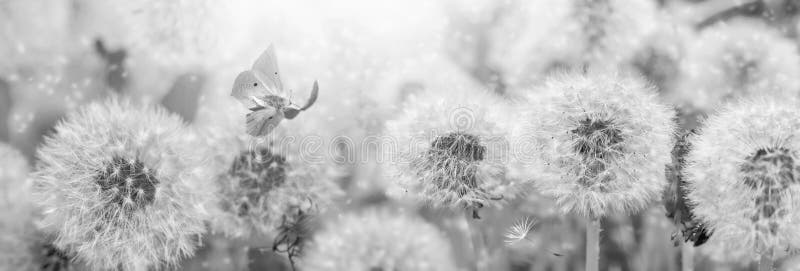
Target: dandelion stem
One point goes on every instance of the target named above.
(687, 257)
(766, 261)
(592, 244)
(476, 238)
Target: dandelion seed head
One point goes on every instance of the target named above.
(660, 57)
(597, 143)
(543, 36)
(451, 149)
(259, 181)
(122, 186)
(742, 174)
(379, 240)
(22, 245)
(737, 59)
(128, 183)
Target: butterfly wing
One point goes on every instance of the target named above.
(262, 121)
(267, 66)
(291, 111)
(311, 100)
(248, 85)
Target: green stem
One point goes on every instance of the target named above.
(592, 244)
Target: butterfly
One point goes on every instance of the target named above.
(261, 91)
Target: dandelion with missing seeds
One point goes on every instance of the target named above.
(450, 150)
(121, 187)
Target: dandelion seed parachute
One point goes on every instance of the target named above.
(121, 186)
(451, 149)
(737, 59)
(379, 240)
(742, 174)
(519, 230)
(595, 142)
(262, 182)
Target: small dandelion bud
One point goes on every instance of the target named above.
(379, 240)
(742, 173)
(737, 59)
(599, 143)
(121, 187)
(450, 149)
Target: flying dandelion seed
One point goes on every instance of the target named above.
(451, 149)
(519, 231)
(742, 175)
(122, 187)
(379, 240)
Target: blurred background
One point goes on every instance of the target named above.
(368, 55)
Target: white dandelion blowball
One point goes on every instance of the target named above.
(543, 36)
(121, 186)
(598, 143)
(451, 149)
(742, 174)
(22, 245)
(379, 240)
(263, 183)
(737, 59)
